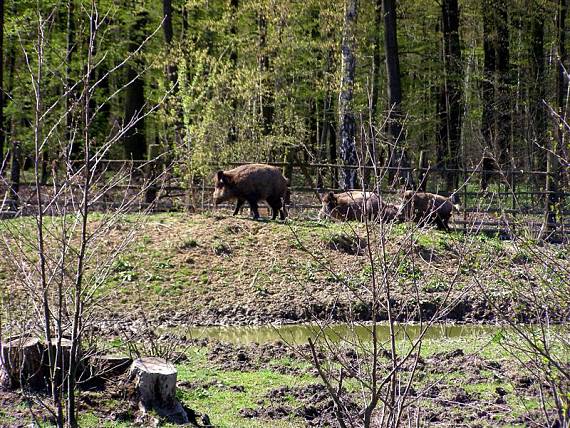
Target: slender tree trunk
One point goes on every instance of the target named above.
(346, 109)
(7, 88)
(135, 137)
(372, 155)
(560, 176)
(451, 96)
(503, 102)
(537, 112)
(2, 125)
(266, 97)
(168, 35)
(397, 154)
(69, 99)
(487, 86)
(561, 84)
(233, 129)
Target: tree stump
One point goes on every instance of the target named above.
(21, 363)
(155, 383)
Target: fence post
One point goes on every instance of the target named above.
(551, 192)
(289, 160)
(15, 174)
(422, 171)
(153, 153)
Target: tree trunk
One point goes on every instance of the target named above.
(557, 146)
(397, 154)
(171, 71)
(504, 116)
(347, 120)
(2, 125)
(21, 363)
(266, 96)
(561, 84)
(489, 68)
(372, 155)
(155, 382)
(135, 137)
(233, 129)
(537, 111)
(451, 95)
(69, 99)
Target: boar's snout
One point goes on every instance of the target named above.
(221, 195)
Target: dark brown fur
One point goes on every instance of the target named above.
(391, 212)
(427, 208)
(253, 183)
(355, 206)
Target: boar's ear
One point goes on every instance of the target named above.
(220, 176)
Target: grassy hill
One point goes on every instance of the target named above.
(216, 269)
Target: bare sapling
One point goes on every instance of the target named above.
(383, 366)
(61, 260)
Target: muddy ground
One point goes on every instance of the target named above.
(450, 389)
(441, 393)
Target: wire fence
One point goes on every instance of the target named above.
(491, 200)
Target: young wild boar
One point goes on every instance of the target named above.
(391, 212)
(253, 183)
(428, 208)
(350, 206)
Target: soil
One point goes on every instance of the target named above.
(219, 270)
(439, 393)
(205, 269)
(439, 396)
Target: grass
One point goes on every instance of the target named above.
(211, 256)
(242, 270)
(222, 394)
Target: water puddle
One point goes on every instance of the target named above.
(300, 333)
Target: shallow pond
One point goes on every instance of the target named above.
(300, 333)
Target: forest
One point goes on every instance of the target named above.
(339, 82)
(431, 289)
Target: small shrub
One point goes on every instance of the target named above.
(188, 244)
(221, 249)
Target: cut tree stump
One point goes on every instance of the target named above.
(102, 368)
(155, 383)
(21, 363)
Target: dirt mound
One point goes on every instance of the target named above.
(227, 356)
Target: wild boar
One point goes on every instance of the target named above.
(391, 213)
(428, 208)
(351, 206)
(253, 183)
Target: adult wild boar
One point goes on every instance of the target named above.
(253, 183)
(428, 208)
(351, 206)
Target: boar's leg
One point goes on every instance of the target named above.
(442, 222)
(276, 207)
(253, 206)
(239, 204)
